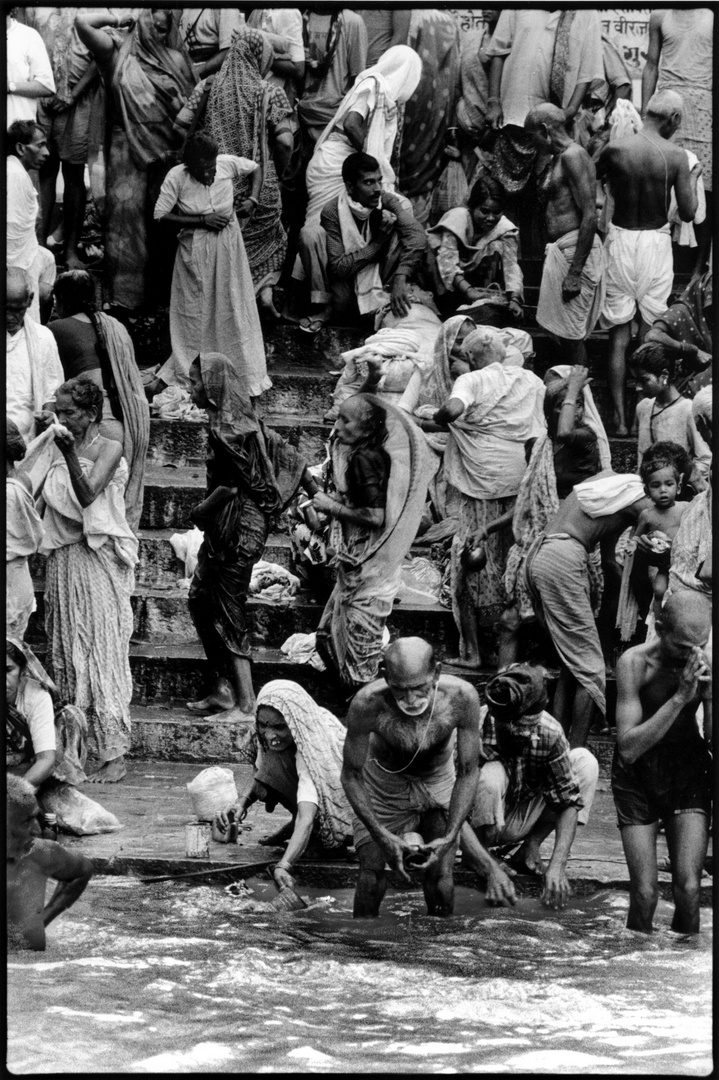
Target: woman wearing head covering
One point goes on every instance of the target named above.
(251, 118)
(476, 249)
(148, 83)
(685, 329)
(23, 535)
(252, 473)
(94, 344)
(298, 765)
(380, 471)
(43, 737)
(366, 120)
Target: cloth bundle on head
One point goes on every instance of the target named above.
(608, 494)
(319, 737)
(397, 348)
(519, 691)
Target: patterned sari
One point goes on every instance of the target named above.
(149, 83)
(243, 112)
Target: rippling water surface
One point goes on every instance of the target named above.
(171, 978)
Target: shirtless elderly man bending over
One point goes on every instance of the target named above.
(662, 768)
(399, 776)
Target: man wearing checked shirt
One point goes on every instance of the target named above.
(530, 782)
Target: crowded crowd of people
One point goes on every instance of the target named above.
(456, 205)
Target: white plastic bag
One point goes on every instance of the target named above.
(76, 814)
(186, 547)
(212, 791)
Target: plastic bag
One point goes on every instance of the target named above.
(212, 791)
(76, 814)
(186, 547)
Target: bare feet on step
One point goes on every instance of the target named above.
(474, 663)
(235, 715)
(110, 772)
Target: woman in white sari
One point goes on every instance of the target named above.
(366, 120)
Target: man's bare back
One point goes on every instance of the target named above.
(572, 519)
(26, 884)
(642, 171)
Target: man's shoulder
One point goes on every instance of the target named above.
(575, 156)
(458, 689)
(368, 700)
(351, 19)
(330, 211)
(633, 662)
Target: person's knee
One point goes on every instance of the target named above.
(645, 894)
(509, 621)
(687, 882)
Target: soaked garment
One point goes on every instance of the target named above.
(399, 799)
(668, 779)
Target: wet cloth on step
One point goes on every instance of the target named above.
(399, 799)
(302, 649)
(273, 583)
(572, 319)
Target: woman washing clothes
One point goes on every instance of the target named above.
(298, 765)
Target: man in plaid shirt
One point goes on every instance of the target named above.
(530, 782)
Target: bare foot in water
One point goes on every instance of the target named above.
(235, 715)
(278, 837)
(110, 772)
(527, 858)
(474, 663)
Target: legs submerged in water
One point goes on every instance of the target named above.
(640, 851)
(371, 883)
(438, 883)
(687, 840)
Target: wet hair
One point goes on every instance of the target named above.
(357, 165)
(485, 187)
(75, 290)
(19, 794)
(654, 358)
(199, 148)
(16, 655)
(21, 131)
(665, 455)
(84, 392)
(15, 445)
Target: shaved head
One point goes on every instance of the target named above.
(549, 115)
(17, 284)
(687, 612)
(665, 104)
(409, 657)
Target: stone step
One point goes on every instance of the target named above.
(159, 567)
(183, 443)
(161, 616)
(173, 733)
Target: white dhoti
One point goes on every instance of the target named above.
(572, 319)
(640, 272)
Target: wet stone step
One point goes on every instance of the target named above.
(183, 443)
(163, 616)
(159, 567)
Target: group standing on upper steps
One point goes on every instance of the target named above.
(366, 168)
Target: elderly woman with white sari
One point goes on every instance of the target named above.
(380, 472)
(366, 120)
(298, 765)
(490, 413)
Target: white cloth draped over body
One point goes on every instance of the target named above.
(605, 495)
(576, 318)
(319, 737)
(23, 536)
(375, 96)
(355, 233)
(485, 450)
(396, 348)
(33, 373)
(212, 306)
(22, 247)
(90, 579)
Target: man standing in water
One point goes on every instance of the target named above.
(662, 768)
(571, 292)
(399, 776)
(641, 172)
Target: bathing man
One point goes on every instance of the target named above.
(662, 768)
(29, 862)
(572, 288)
(399, 776)
(641, 172)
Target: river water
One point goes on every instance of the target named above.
(181, 979)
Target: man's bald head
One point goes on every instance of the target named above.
(686, 612)
(664, 105)
(409, 657)
(17, 284)
(547, 115)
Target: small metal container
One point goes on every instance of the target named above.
(197, 839)
(415, 857)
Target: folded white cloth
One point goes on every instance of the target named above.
(608, 494)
